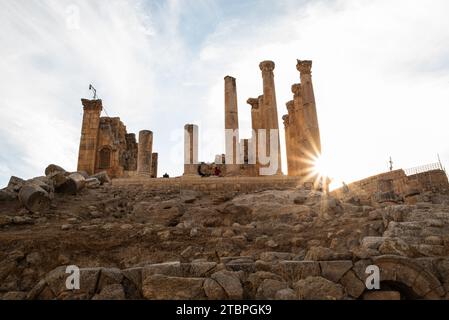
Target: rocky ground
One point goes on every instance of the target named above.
(136, 243)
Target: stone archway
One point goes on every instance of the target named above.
(408, 278)
(105, 155)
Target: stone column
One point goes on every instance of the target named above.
(288, 144)
(300, 141)
(144, 153)
(89, 135)
(190, 150)
(256, 124)
(311, 129)
(255, 113)
(293, 146)
(154, 164)
(244, 146)
(270, 104)
(231, 118)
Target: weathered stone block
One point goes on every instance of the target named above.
(318, 288)
(230, 282)
(292, 271)
(334, 270)
(161, 287)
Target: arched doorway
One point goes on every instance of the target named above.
(104, 158)
(408, 278)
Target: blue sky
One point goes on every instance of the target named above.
(380, 72)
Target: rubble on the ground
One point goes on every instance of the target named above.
(132, 242)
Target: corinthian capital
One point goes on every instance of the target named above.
(253, 102)
(304, 67)
(290, 106)
(267, 66)
(296, 89)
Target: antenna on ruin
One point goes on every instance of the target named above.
(439, 162)
(91, 87)
(391, 164)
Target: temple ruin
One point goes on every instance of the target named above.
(105, 145)
(246, 157)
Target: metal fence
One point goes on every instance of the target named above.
(424, 168)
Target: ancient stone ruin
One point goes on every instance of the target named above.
(105, 145)
(243, 157)
(241, 235)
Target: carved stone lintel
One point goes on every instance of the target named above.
(296, 89)
(267, 66)
(304, 67)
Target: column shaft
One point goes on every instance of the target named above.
(154, 164)
(270, 105)
(312, 129)
(145, 150)
(190, 149)
(89, 135)
(231, 117)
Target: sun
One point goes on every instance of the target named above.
(321, 166)
(326, 169)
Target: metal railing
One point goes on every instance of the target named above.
(424, 168)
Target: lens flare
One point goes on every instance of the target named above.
(326, 170)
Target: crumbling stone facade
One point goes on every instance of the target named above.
(395, 187)
(105, 145)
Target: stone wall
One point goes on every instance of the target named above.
(122, 148)
(212, 184)
(395, 186)
(273, 276)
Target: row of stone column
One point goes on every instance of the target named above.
(302, 134)
(264, 114)
(147, 161)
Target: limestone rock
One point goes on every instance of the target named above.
(254, 280)
(75, 183)
(373, 242)
(111, 292)
(326, 254)
(109, 276)
(7, 195)
(285, 294)
(354, 286)
(15, 184)
(395, 246)
(92, 183)
(334, 270)
(34, 198)
(103, 177)
(268, 289)
(292, 271)
(318, 288)
(231, 284)
(273, 256)
(213, 290)
(52, 168)
(169, 269)
(161, 287)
